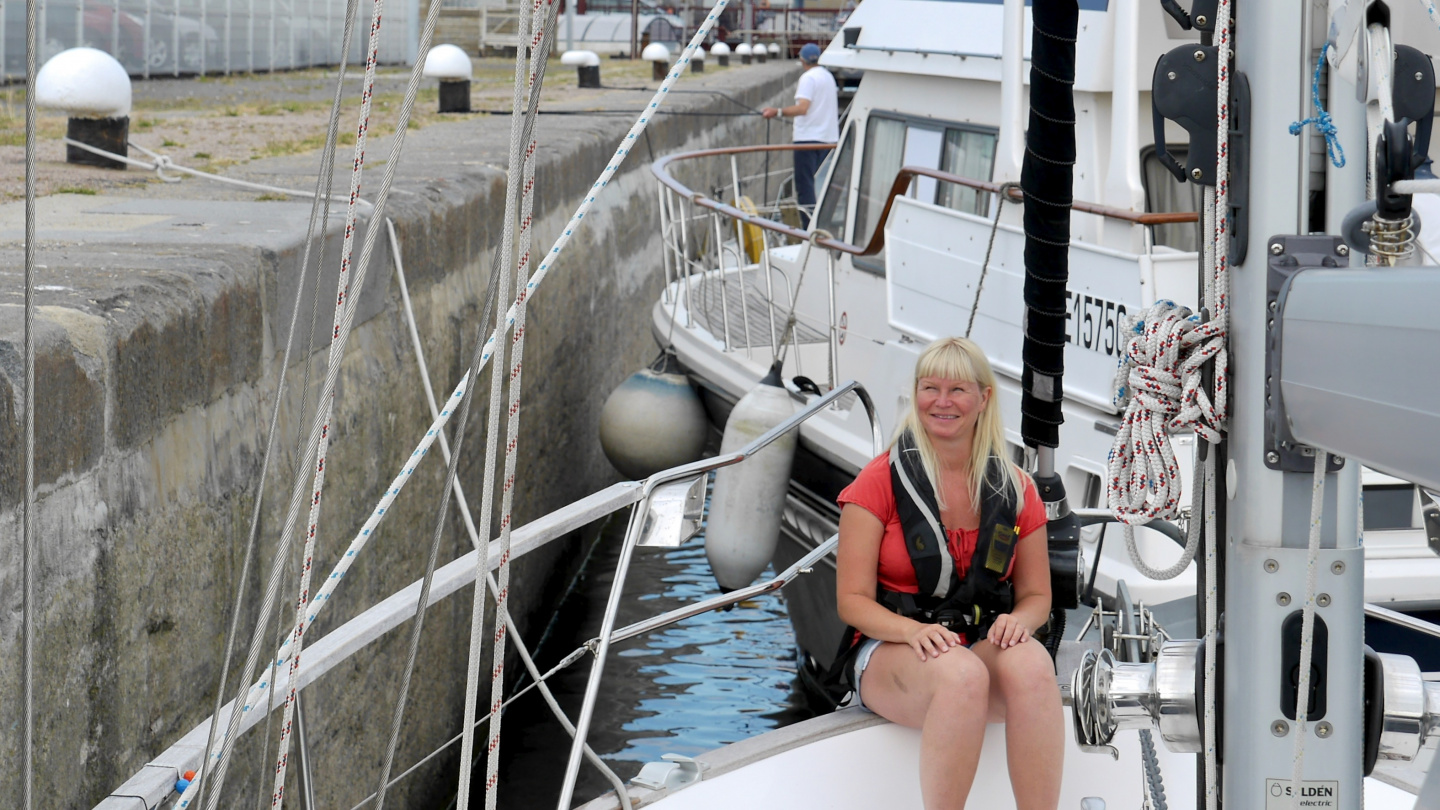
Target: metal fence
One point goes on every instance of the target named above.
(206, 37)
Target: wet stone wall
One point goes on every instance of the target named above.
(160, 333)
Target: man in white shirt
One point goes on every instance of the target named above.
(817, 120)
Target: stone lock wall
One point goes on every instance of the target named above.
(161, 324)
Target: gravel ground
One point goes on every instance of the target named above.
(220, 124)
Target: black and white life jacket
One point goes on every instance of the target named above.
(967, 605)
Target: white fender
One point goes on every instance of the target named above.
(653, 421)
(749, 497)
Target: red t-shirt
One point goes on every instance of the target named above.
(872, 491)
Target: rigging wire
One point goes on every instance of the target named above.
(323, 189)
(318, 213)
(520, 101)
(319, 434)
(520, 647)
(27, 531)
(565, 662)
(422, 447)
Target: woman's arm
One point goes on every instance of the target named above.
(1031, 580)
(856, 570)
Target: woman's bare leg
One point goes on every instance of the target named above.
(946, 698)
(1025, 695)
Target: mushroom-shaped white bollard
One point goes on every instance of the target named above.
(95, 90)
(759, 52)
(721, 52)
(774, 50)
(743, 51)
(586, 64)
(697, 61)
(451, 65)
(659, 56)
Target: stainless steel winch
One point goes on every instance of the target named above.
(1109, 695)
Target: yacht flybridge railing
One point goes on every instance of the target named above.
(720, 253)
(898, 188)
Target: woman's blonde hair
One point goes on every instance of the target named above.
(957, 358)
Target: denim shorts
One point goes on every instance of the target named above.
(862, 660)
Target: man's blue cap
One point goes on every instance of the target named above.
(810, 53)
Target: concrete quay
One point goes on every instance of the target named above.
(161, 319)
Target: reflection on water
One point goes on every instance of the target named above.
(710, 680)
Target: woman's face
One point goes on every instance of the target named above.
(949, 408)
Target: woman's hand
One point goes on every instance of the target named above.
(930, 640)
(1007, 631)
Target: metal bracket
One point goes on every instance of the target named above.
(1183, 90)
(1288, 256)
(1201, 16)
(1413, 96)
(674, 773)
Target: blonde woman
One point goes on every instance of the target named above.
(944, 576)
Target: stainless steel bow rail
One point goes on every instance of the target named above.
(155, 781)
(689, 473)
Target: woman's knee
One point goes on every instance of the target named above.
(959, 675)
(1025, 669)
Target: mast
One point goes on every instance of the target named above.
(1266, 533)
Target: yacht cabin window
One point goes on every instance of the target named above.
(1166, 195)
(968, 154)
(892, 142)
(836, 200)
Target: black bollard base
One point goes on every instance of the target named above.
(659, 71)
(723, 60)
(760, 57)
(589, 75)
(110, 134)
(455, 96)
(745, 59)
(696, 66)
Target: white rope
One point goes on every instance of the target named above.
(1160, 379)
(1422, 185)
(422, 448)
(518, 101)
(320, 429)
(1307, 624)
(163, 163)
(520, 648)
(1212, 651)
(1217, 295)
(319, 219)
(517, 353)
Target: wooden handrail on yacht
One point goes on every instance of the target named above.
(902, 182)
